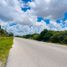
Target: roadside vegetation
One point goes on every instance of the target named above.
(5, 45)
(49, 36)
(6, 41)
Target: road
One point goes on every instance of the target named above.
(30, 53)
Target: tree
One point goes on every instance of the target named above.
(58, 37)
(0, 27)
(47, 36)
(10, 34)
(41, 36)
(4, 33)
(65, 40)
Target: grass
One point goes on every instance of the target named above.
(5, 45)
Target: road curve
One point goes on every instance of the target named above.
(30, 53)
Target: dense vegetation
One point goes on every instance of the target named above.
(50, 36)
(6, 40)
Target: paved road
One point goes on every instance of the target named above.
(30, 53)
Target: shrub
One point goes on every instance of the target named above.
(65, 40)
(35, 36)
(41, 36)
(10, 34)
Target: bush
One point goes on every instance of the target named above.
(10, 34)
(65, 40)
(47, 36)
(5, 33)
(55, 38)
(41, 36)
(35, 36)
(58, 37)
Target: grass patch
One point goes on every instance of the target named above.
(5, 45)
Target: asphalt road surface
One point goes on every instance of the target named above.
(30, 53)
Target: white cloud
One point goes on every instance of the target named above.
(49, 8)
(10, 11)
(24, 29)
(53, 25)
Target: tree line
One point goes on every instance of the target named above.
(49, 36)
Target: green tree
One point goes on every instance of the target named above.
(65, 40)
(47, 36)
(10, 34)
(41, 36)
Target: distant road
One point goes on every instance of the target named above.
(30, 53)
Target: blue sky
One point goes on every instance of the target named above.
(32, 16)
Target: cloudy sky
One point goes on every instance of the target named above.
(32, 16)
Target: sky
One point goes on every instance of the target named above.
(23, 17)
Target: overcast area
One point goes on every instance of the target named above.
(14, 19)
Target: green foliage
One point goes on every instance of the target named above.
(41, 36)
(31, 36)
(59, 37)
(4, 33)
(27, 36)
(6, 41)
(50, 36)
(56, 38)
(45, 35)
(35, 36)
(10, 34)
(65, 40)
